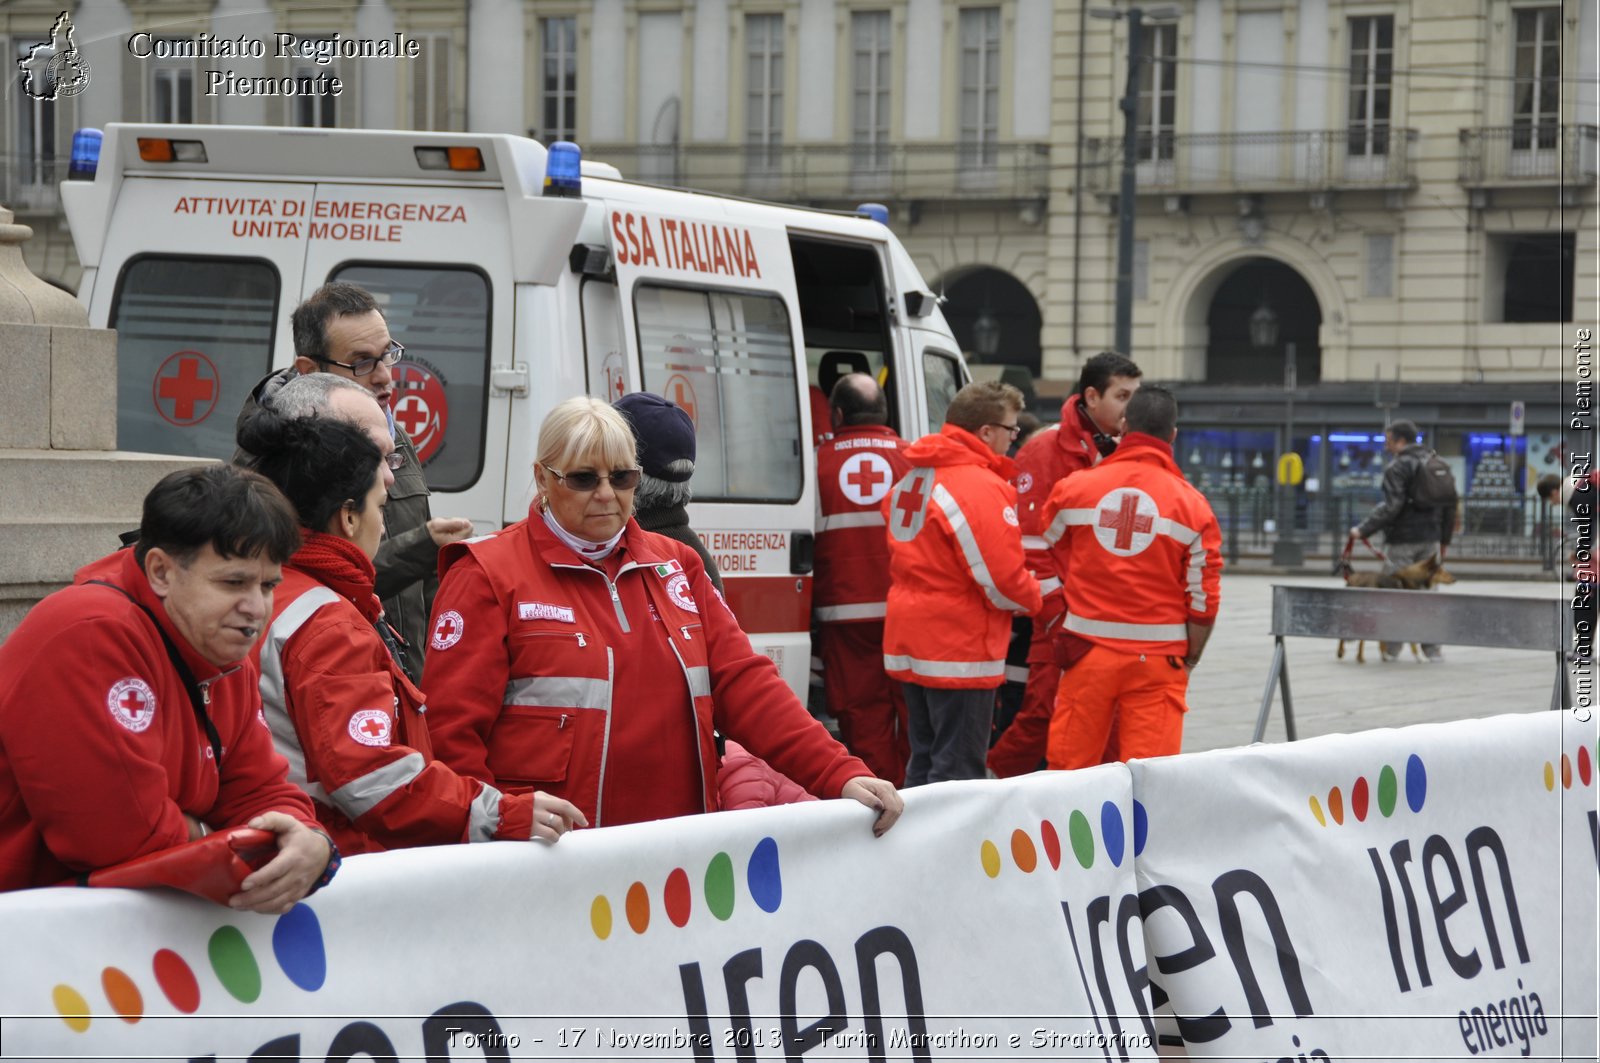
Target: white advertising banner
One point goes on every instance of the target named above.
(779, 933)
(1425, 893)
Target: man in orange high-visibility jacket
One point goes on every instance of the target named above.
(1142, 555)
(858, 464)
(956, 575)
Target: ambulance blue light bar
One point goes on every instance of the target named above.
(85, 155)
(563, 168)
(876, 211)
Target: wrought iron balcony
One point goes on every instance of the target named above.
(1319, 160)
(30, 185)
(841, 173)
(1528, 156)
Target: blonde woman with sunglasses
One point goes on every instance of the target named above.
(579, 655)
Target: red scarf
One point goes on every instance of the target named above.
(339, 564)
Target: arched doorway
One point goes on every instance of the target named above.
(994, 317)
(1233, 355)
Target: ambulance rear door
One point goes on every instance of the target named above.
(438, 259)
(707, 294)
(198, 277)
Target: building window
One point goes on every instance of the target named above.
(1536, 274)
(869, 126)
(34, 142)
(980, 87)
(1371, 80)
(1380, 266)
(558, 79)
(430, 82)
(1536, 89)
(1158, 93)
(315, 111)
(763, 42)
(171, 90)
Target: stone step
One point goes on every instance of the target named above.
(83, 485)
(50, 551)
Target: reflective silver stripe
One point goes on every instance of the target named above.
(274, 701)
(1064, 518)
(870, 518)
(1016, 673)
(944, 669)
(696, 682)
(1050, 585)
(358, 797)
(1197, 560)
(558, 692)
(1133, 632)
(860, 611)
(605, 744)
(969, 547)
(1034, 542)
(699, 681)
(483, 817)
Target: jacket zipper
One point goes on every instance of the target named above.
(583, 640)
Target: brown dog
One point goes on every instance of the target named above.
(1418, 576)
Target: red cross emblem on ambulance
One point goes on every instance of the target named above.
(186, 389)
(420, 408)
(1125, 521)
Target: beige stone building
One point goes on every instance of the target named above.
(1400, 191)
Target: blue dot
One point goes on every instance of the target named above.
(1111, 831)
(1141, 827)
(766, 884)
(297, 944)
(1416, 783)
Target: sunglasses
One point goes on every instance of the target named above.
(364, 366)
(587, 480)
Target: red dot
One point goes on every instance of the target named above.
(176, 981)
(1052, 844)
(637, 906)
(1336, 805)
(1585, 770)
(675, 896)
(1358, 799)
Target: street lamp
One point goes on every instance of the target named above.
(1286, 549)
(1136, 16)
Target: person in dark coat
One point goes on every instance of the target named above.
(665, 435)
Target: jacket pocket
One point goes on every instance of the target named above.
(532, 746)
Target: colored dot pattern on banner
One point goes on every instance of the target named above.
(1080, 838)
(297, 946)
(1356, 801)
(1564, 769)
(763, 878)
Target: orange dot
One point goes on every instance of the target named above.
(1336, 805)
(1566, 772)
(125, 998)
(1023, 852)
(638, 907)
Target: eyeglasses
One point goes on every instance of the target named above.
(395, 459)
(1014, 429)
(364, 366)
(587, 480)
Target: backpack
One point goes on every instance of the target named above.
(1433, 485)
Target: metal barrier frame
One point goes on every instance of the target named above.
(1406, 616)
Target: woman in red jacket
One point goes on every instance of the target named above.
(578, 653)
(337, 701)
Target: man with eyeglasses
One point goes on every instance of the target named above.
(340, 331)
(956, 576)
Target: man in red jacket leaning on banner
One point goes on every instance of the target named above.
(1142, 555)
(855, 469)
(1091, 422)
(956, 575)
(129, 717)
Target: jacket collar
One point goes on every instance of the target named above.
(957, 446)
(635, 547)
(1136, 446)
(866, 430)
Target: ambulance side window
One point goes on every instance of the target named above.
(942, 375)
(193, 337)
(441, 315)
(727, 358)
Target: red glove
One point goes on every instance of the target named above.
(212, 867)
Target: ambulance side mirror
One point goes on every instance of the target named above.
(802, 552)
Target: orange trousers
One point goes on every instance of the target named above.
(1141, 694)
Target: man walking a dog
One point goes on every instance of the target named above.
(1416, 517)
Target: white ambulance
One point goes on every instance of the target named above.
(198, 241)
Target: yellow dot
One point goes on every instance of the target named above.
(990, 855)
(74, 1010)
(1549, 776)
(1316, 810)
(600, 917)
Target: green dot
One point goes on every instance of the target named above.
(1388, 790)
(235, 964)
(1082, 838)
(719, 886)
